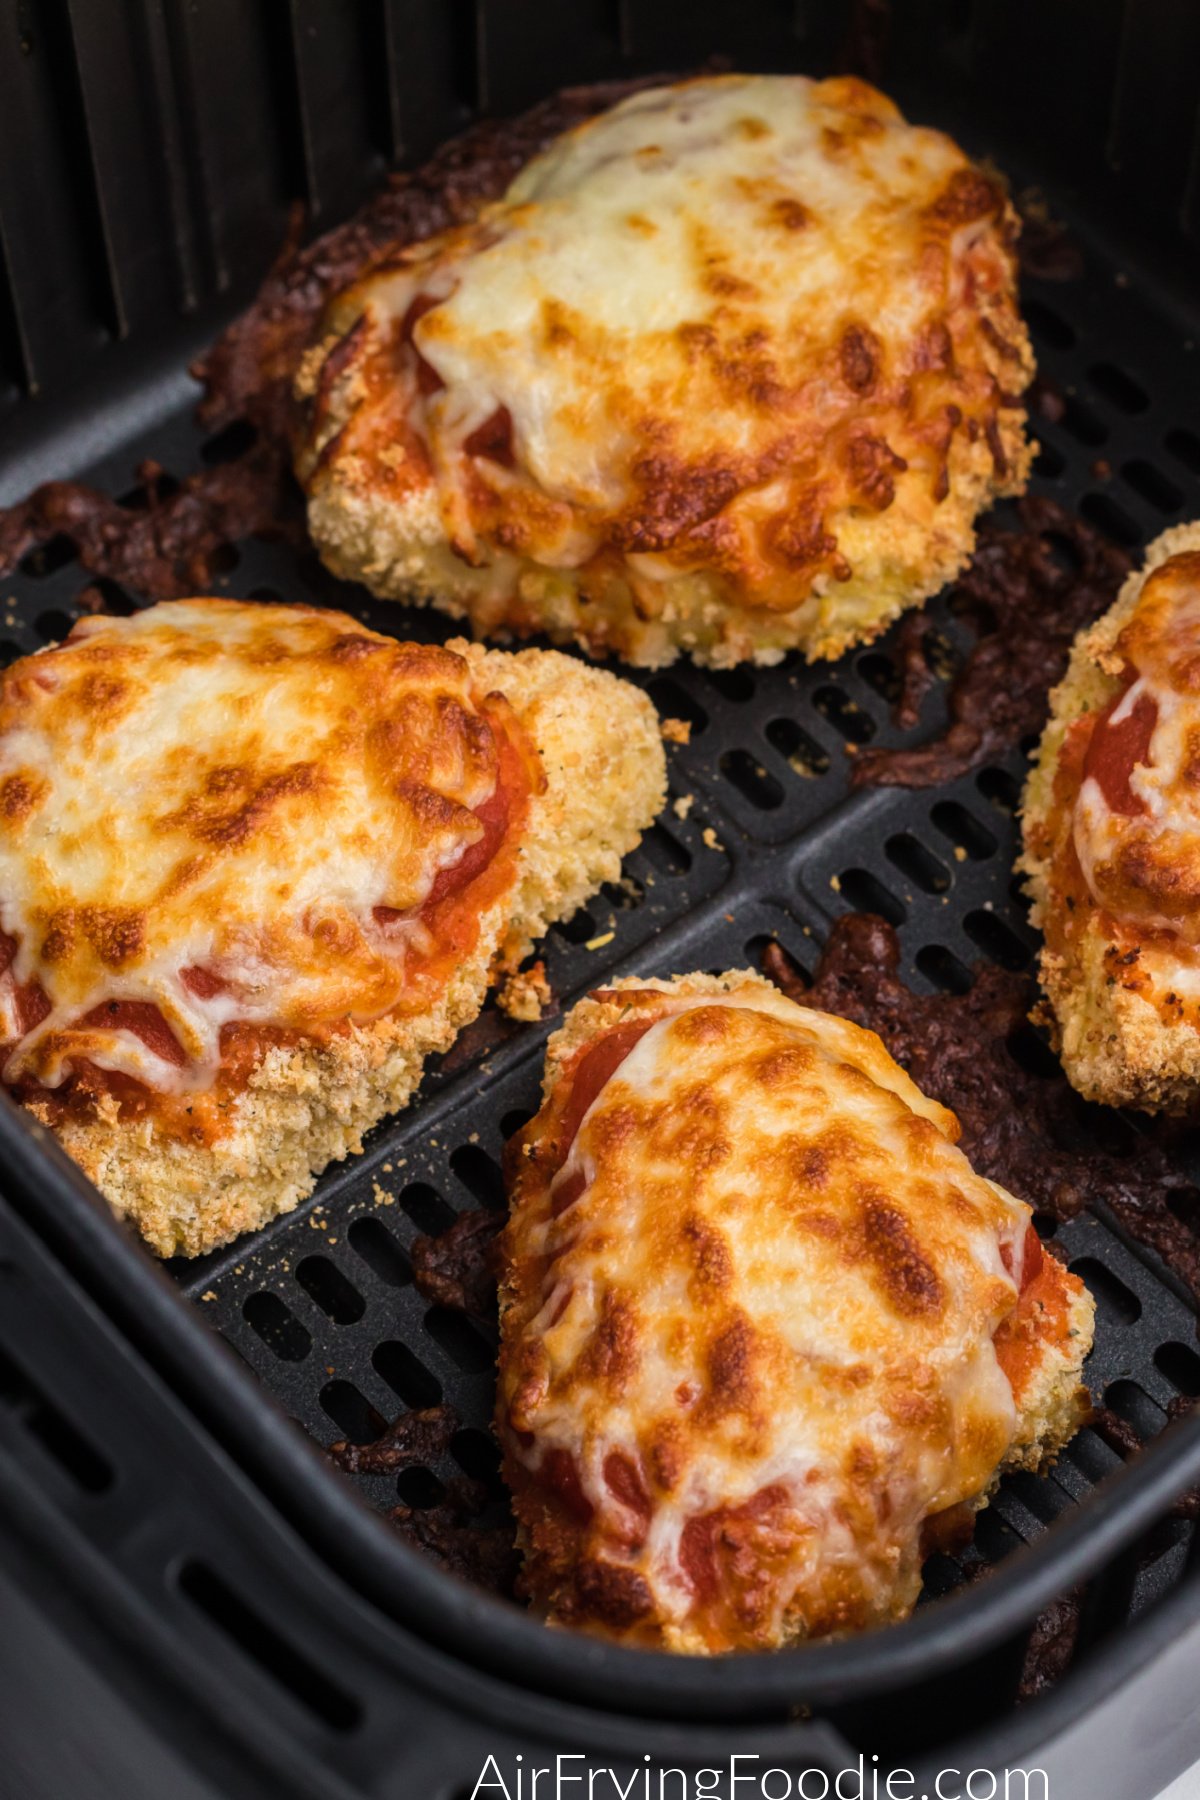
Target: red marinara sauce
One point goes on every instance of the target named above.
(1114, 751)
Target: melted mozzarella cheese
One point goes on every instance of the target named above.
(779, 1276)
(203, 806)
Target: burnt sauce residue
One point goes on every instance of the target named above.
(452, 1531)
(1026, 593)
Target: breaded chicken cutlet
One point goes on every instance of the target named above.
(258, 862)
(730, 370)
(766, 1338)
(1112, 842)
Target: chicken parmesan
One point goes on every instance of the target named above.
(1112, 842)
(256, 863)
(767, 1339)
(730, 369)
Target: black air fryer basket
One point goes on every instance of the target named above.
(193, 1601)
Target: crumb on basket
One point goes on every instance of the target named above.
(684, 805)
(526, 995)
(711, 840)
(676, 731)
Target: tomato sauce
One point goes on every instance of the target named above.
(493, 439)
(428, 379)
(1114, 751)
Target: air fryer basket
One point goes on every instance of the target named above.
(137, 1459)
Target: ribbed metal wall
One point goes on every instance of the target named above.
(149, 149)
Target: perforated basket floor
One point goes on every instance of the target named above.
(322, 1305)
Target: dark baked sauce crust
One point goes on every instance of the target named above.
(1026, 593)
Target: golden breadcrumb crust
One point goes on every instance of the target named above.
(1043, 1360)
(762, 473)
(308, 1106)
(1124, 1035)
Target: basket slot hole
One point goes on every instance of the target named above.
(352, 1412)
(578, 928)
(844, 714)
(48, 558)
(408, 1379)
(751, 780)
(1045, 1224)
(1153, 485)
(732, 684)
(1181, 1366)
(20, 1396)
(277, 1326)
(674, 702)
(803, 755)
(324, 1282)
(919, 865)
(461, 1342)
(113, 598)
(1091, 1455)
(1085, 426)
(229, 444)
(1118, 387)
(9, 652)
(269, 595)
(963, 830)
(477, 1455)
(1133, 1404)
(626, 894)
(371, 1239)
(880, 673)
(1090, 1127)
(419, 1488)
(1184, 447)
(994, 1536)
(1048, 462)
(53, 625)
(426, 1208)
(866, 893)
(1044, 1499)
(1116, 1304)
(998, 943)
(514, 1121)
(1048, 326)
(943, 969)
(252, 1637)
(1001, 788)
(665, 852)
(1030, 1051)
(479, 1174)
(1102, 511)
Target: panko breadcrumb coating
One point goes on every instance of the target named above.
(1112, 842)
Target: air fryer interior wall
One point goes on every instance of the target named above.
(147, 223)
